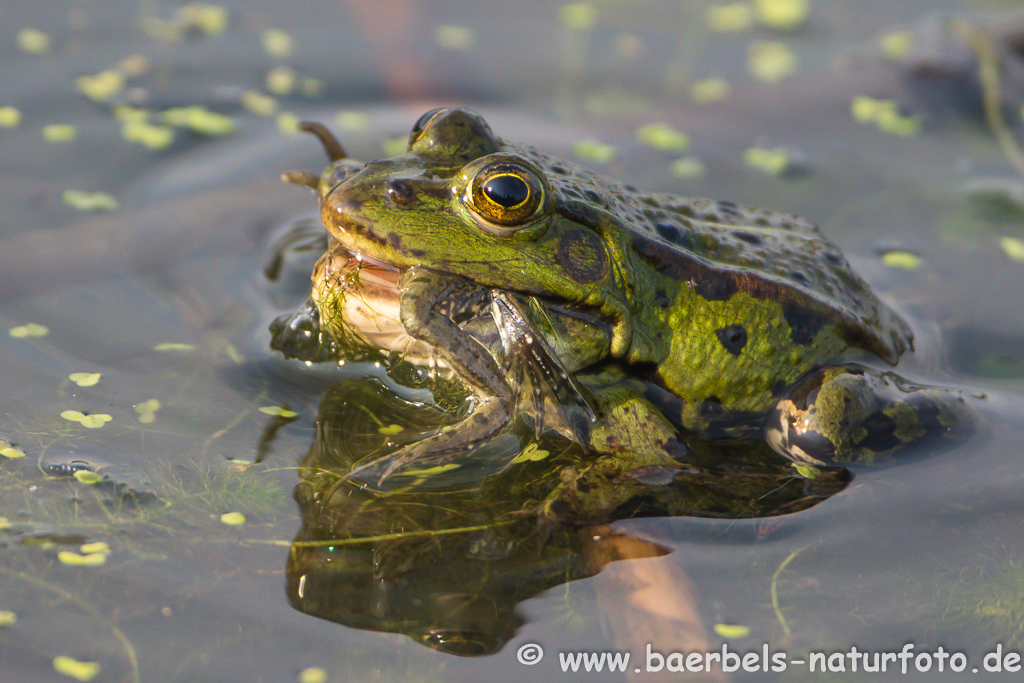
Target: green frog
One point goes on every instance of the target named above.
(621, 320)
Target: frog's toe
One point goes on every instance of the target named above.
(852, 414)
(299, 335)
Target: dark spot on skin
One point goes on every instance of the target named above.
(395, 240)
(748, 237)
(804, 324)
(629, 188)
(799, 276)
(418, 253)
(833, 258)
(560, 170)
(733, 338)
(582, 256)
(667, 231)
(661, 297)
(761, 221)
(779, 386)
(711, 218)
(594, 197)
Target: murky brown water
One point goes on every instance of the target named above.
(166, 298)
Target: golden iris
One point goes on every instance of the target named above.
(505, 193)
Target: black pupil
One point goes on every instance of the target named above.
(506, 190)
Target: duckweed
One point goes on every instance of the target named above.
(200, 120)
(771, 161)
(729, 18)
(147, 410)
(87, 476)
(89, 201)
(1012, 247)
(11, 453)
(59, 132)
(73, 559)
(148, 135)
(732, 631)
(662, 137)
(33, 41)
(277, 43)
(281, 80)
(102, 86)
(688, 167)
(10, 117)
(29, 330)
(531, 453)
(7, 618)
(784, 15)
(72, 668)
(594, 150)
(896, 45)
(232, 518)
(579, 16)
(904, 260)
(710, 90)
(770, 60)
(278, 411)
(312, 674)
(452, 37)
(258, 103)
(171, 346)
(287, 122)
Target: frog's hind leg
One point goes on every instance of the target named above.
(850, 414)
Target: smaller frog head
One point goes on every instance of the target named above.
(463, 202)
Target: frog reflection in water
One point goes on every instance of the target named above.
(550, 291)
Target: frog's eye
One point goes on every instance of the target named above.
(505, 193)
(423, 122)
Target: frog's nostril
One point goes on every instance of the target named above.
(400, 192)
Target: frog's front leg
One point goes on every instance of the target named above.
(432, 305)
(852, 414)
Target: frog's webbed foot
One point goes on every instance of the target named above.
(432, 305)
(299, 335)
(852, 414)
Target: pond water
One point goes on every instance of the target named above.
(164, 524)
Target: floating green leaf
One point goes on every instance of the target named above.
(147, 410)
(729, 18)
(390, 430)
(96, 547)
(29, 330)
(87, 477)
(579, 16)
(688, 167)
(771, 161)
(352, 120)
(7, 618)
(312, 674)
(102, 86)
(80, 671)
(732, 631)
(89, 201)
(95, 421)
(147, 134)
(33, 41)
(770, 60)
(9, 117)
(287, 122)
(277, 43)
(258, 103)
(281, 80)
(171, 346)
(85, 379)
(897, 45)
(278, 411)
(232, 518)
(59, 132)
(710, 90)
(663, 137)
(73, 559)
(73, 415)
(594, 150)
(200, 120)
(530, 453)
(452, 37)
(12, 452)
(806, 471)
(785, 15)
(1012, 247)
(902, 259)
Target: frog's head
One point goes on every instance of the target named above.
(463, 202)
